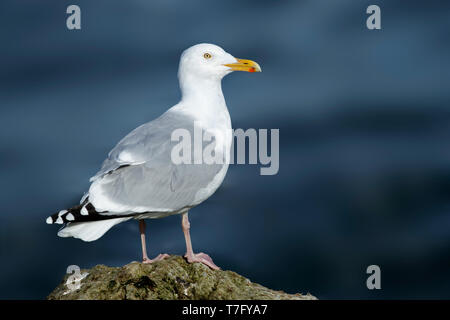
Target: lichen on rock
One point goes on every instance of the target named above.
(170, 279)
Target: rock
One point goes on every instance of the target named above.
(172, 278)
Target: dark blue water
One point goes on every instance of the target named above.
(364, 119)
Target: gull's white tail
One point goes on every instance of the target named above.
(85, 222)
(89, 231)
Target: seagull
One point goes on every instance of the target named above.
(140, 179)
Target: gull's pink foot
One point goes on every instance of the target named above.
(202, 258)
(160, 256)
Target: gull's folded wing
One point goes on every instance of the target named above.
(139, 173)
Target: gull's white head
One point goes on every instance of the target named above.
(211, 62)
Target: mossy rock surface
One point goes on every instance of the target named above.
(172, 278)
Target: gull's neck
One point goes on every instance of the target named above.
(199, 90)
(203, 98)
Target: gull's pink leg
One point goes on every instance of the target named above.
(145, 258)
(190, 255)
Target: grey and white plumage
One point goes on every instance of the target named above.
(138, 179)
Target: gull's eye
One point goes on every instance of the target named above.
(207, 55)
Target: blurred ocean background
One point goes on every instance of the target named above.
(364, 118)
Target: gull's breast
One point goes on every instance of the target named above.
(223, 136)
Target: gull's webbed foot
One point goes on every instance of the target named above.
(202, 258)
(160, 256)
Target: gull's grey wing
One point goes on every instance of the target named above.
(143, 144)
(139, 175)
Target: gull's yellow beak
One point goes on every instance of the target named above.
(244, 65)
